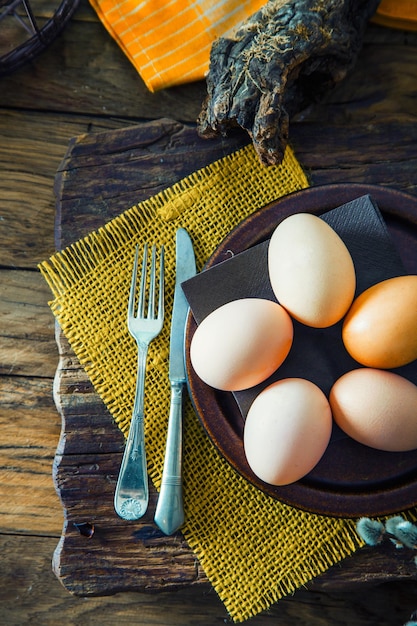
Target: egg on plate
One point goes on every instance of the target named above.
(380, 328)
(287, 430)
(376, 407)
(311, 270)
(240, 344)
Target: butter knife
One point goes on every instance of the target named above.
(169, 514)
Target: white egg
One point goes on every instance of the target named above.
(311, 270)
(241, 343)
(287, 430)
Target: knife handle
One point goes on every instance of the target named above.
(169, 514)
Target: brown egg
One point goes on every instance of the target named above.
(380, 329)
(377, 408)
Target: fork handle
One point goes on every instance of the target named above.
(169, 514)
(131, 496)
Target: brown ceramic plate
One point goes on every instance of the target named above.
(351, 480)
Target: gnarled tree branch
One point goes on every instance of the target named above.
(283, 58)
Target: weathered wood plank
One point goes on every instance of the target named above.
(85, 70)
(381, 86)
(30, 155)
(136, 163)
(342, 153)
(27, 345)
(87, 464)
(106, 84)
(30, 427)
(29, 593)
(29, 423)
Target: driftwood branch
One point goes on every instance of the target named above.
(283, 58)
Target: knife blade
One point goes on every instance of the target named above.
(169, 513)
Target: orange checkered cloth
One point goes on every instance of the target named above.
(169, 41)
(400, 14)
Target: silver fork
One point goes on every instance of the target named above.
(132, 495)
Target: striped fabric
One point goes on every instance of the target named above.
(169, 41)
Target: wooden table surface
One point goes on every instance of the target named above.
(366, 131)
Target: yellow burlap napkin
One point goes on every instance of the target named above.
(253, 549)
(169, 41)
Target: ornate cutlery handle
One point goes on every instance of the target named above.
(132, 493)
(169, 514)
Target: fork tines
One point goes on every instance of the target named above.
(147, 279)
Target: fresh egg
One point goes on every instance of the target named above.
(311, 270)
(287, 430)
(380, 329)
(377, 408)
(241, 343)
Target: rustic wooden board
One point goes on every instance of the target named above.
(84, 83)
(33, 596)
(142, 160)
(101, 175)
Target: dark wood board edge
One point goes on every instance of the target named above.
(167, 561)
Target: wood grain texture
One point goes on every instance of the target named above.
(29, 325)
(32, 595)
(84, 84)
(135, 162)
(90, 451)
(342, 153)
(85, 71)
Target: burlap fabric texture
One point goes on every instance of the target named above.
(253, 549)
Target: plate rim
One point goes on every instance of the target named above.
(300, 495)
